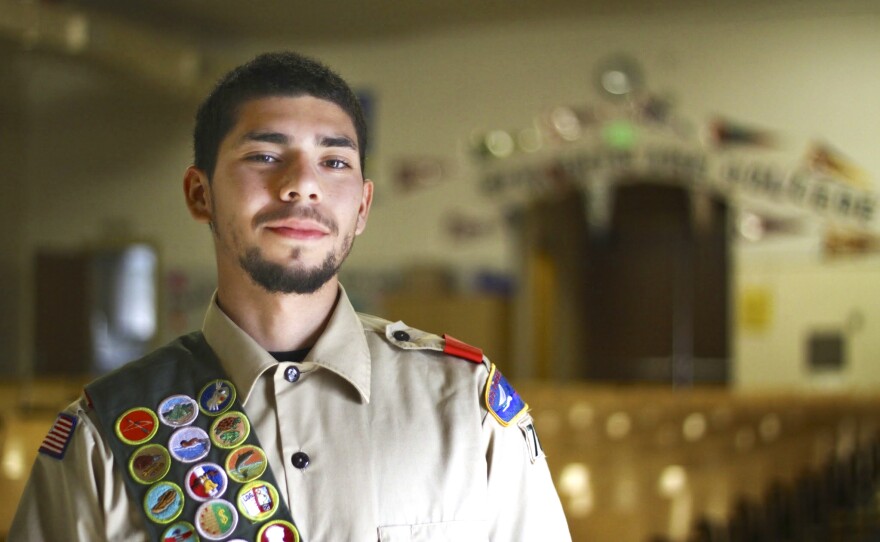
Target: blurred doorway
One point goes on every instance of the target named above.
(94, 309)
(643, 298)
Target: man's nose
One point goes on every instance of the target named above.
(300, 181)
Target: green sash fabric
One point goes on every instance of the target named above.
(184, 366)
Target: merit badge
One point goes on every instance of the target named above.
(178, 410)
(137, 425)
(246, 463)
(181, 531)
(149, 463)
(206, 481)
(163, 502)
(56, 441)
(217, 397)
(258, 500)
(502, 400)
(189, 444)
(278, 531)
(215, 520)
(230, 429)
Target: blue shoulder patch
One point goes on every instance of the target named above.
(56, 442)
(502, 400)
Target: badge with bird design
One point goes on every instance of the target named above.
(216, 397)
(502, 400)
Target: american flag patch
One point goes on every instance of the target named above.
(55, 443)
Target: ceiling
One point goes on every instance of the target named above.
(337, 20)
(228, 22)
(182, 46)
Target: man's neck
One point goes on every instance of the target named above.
(278, 322)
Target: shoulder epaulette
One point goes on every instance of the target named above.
(456, 348)
(409, 338)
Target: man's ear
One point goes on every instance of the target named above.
(197, 190)
(364, 209)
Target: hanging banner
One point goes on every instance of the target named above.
(732, 175)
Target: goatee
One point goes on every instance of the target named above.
(277, 278)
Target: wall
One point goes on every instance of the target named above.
(839, 296)
(105, 155)
(12, 216)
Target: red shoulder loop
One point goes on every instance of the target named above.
(88, 399)
(456, 348)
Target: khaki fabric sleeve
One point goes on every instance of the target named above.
(522, 500)
(80, 497)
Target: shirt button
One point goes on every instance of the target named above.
(300, 460)
(401, 335)
(291, 374)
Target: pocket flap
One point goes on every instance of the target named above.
(457, 531)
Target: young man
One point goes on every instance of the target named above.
(290, 416)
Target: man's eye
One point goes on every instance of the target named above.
(262, 158)
(336, 163)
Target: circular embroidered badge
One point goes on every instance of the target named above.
(258, 500)
(246, 463)
(149, 463)
(163, 502)
(179, 532)
(189, 444)
(206, 481)
(278, 531)
(178, 410)
(216, 397)
(230, 429)
(137, 425)
(215, 520)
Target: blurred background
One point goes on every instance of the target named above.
(658, 218)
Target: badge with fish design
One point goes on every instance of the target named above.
(217, 397)
(178, 410)
(189, 444)
(230, 429)
(163, 502)
(149, 463)
(246, 463)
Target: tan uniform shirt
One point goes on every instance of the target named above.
(401, 446)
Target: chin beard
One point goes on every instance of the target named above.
(276, 278)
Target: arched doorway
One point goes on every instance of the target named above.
(644, 298)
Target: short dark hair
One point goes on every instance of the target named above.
(282, 73)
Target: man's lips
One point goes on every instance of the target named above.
(297, 233)
(299, 229)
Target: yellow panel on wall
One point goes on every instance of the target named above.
(755, 308)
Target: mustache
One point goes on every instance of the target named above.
(297, 212)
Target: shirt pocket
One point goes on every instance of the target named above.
(445, 531)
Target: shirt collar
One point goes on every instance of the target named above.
(341, 348)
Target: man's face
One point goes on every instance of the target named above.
(288, 196)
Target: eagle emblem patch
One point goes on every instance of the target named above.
(502, 400)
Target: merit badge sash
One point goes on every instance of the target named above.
(188, 455)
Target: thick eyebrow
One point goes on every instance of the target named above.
(266, 137)
(282, 139)
(338, 141)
